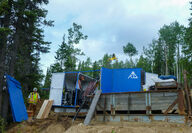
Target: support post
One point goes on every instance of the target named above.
(181, 105)
(104, 109)
(113, 105)
(187, 92)
(148, 103)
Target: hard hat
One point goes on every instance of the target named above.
(34, 89)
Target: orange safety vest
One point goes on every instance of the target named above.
(33, 97)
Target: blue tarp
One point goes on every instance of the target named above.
(163, 77)
(18, 108)
(120, 80)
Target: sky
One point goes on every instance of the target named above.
(111, 24)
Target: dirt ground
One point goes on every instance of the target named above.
(130, 127)
(60, 124)
(54, 124)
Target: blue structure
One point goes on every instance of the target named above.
(120, 80)
(18, 108)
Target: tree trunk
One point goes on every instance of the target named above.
(177, 63)
(4, 97)
(166, 64)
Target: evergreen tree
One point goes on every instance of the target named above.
(67, 54)
(22, 41)
(144, 63)
(96, 66)
(106, 62)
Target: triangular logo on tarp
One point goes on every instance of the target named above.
(133, 75)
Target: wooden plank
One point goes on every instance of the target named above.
(171, 106)
(47, 109)
(92, 107)
(42, 109)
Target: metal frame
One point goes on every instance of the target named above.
(142, 118)
(78, 73)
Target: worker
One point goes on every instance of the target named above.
(79, 89)
(81, 78)
(33, 99)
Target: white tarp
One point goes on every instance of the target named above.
(151, 78)
(57, 84)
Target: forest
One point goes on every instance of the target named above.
(22, 41)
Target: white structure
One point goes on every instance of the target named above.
(57, 83)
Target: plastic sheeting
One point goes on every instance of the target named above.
(120, 80)
(152, 78)
(18, 108)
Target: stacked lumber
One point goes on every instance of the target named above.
(45, 109)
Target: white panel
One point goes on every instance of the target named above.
(56, 95)
(57, 82)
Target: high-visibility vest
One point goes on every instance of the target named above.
(33, 97)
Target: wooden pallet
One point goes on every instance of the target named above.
(45, 109)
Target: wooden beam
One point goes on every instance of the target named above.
(181, 105)
(171, 106)
(45, 109)
(187, 92)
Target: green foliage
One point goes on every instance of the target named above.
(163, 54)
(96, 66)
(4, 6)
(2, 125)
(130, 49)
(144, 63)
(106, 62)
(187, 48)
(67, 54)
